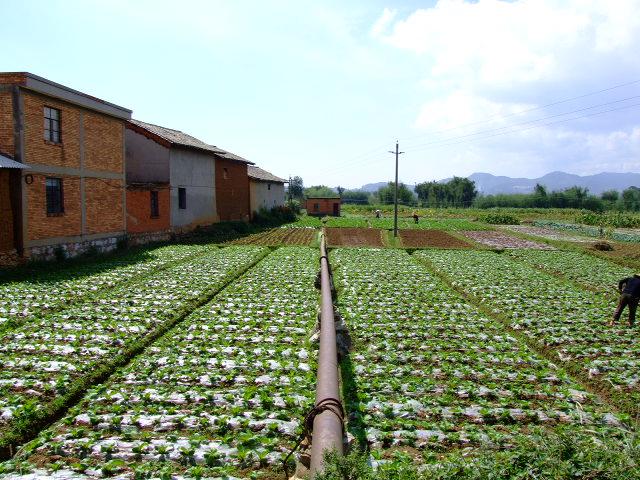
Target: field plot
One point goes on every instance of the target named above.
(558, 316)
(347, 222)
(618, 234)
(428, 371)
(431, 238)
(52, 290)
(221, 393)
(587, 270)
(428, 223)
(502, 240)
(280, 236)
(547, 233)
(354, 237)
(304, 221)
(49, 360)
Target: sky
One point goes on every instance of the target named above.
(323, 89)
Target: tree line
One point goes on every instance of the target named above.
(461, 192)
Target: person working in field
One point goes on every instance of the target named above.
(629, 296)
(415, 216)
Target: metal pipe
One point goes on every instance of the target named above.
(327, 425)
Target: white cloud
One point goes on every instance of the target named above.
(492, 59)
(462, 108)
(383, 22)
(497, 42)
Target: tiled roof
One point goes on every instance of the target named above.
(178, 138)
(6, 162)
(260, 174)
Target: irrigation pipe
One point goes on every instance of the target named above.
(328, 423)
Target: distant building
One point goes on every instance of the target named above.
(266, 190)
(61, 169)
(195, 184)
(322, 206)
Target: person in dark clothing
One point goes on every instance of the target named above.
(629, 296)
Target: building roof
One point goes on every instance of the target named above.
(175, 138)
(52, 89)
(257, 173)
(6, 162)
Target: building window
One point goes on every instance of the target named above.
(55, 198)
(268, 186)
(155, 209)
(225, 173)
(182, 198)
(316, 207)
(52, 125)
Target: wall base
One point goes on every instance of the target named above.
(149, 237)
(72, 249)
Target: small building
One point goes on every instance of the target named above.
(232, 187)
(72, 196)
(265, 189)
(323, 206)
(178, 182)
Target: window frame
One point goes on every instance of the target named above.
(182, 198)
(225, 173)
(54, 208)
(50, 124)
(154, 206)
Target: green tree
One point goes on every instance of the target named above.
(385, 194)
(610, 196)
(631, 198)
(320, 191)
(296, 188)
(355, 196)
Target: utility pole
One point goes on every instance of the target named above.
(395, 196)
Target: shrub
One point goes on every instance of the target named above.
(501, 219)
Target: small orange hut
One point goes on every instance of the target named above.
(323, 206)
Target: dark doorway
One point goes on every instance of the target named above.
(336, 209)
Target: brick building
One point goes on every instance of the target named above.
(322, 206)
(265, 189)
(72, 195)
(198, 184)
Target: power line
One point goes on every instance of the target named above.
(536, 126)
(527, 122)
(376, 155)
(522, 112)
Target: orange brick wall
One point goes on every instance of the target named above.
(103, 143)
(16, 78)
(103, 200)
(232, 194)
(6, 123)
(139, 211)
(40, 225)
(37, 149)
(6, 213)
(325, 206)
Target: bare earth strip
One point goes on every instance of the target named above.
(354, 237)
(279, 236)
(431, 238)
(502, 240)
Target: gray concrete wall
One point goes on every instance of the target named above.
(194, 171)
(146, 160)
(262, 197)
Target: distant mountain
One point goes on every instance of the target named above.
(489, 184)
(372, 187)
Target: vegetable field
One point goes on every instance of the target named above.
(430, 371)
(199, 361)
